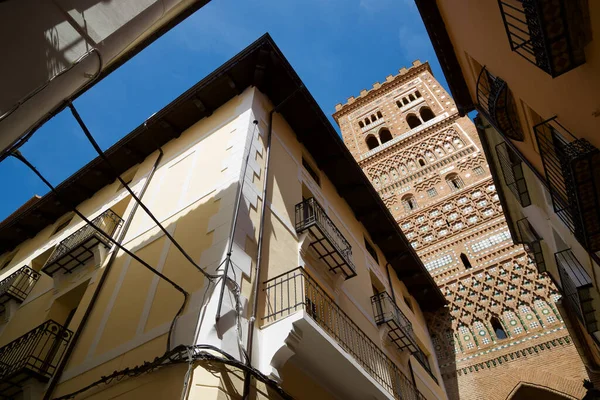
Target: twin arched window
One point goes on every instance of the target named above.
(384, 136)
(454, 182)
(409, 202)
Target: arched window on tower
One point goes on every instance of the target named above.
(411, 97)
(413, 120)
(399, 104)
(426, 114)
(385, 135)
(373, 118)
(409, 202)
(367, 121)
(418, 94)
(379, 115)
(454, 182)
(361, 124)
(421, 162)
(498, 328)
(372, 142)
(405, 100)
(465, 260)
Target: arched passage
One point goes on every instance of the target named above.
(413, 120)
(528, 391)
(385, 135)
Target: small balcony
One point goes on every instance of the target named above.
(498, 105)
(533, 243)
(512, 170)
(550, 34)
(576, 287)
(78, 248)
(571, 167)
(36, 355)
(18, 285)
(325, 238)
(399, 329)
(326, 341)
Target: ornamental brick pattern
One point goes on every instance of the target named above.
(502, 328)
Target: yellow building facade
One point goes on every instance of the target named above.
(530, 69)
(276, 270)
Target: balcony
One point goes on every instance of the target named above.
(512, 170)
(36, 355)
(498, 105)
(77, 249)
(325, 238)
(533, 243)
(18, 285)
(571, 167)
(399, 328)
(325, 340)
(548, 33)
(576, 284)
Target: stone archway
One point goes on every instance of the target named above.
(526, 391)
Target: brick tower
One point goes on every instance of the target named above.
(502, 329)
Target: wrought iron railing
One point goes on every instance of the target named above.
(296, 291)
(77, 249)
(35, 354)
(576, 287)
(18, 284)
(498, 105)
(545, 33)
(571, 166)
(400, 329)
(329, 243)
(533, 243)
(512, 169)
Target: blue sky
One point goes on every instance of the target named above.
(337, 47)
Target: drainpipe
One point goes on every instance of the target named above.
(248, 376)
(387, 270)
(113, 256)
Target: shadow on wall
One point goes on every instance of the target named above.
(439, 325)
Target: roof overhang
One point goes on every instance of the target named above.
(56, 50)
(444, 50)
(261, 65)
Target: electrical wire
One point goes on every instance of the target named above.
(133, 195)
(17, 154)
(182, 354)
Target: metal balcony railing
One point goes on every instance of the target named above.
(36, 354)
(571, 166)
(18, 285)
(77, 249)
(512, 170)
(296, 291)
(326, 239)
(400, 330)
(533, 243)
(576, 285)
(547, 33)
(498, 105)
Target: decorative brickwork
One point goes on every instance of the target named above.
(432, 175)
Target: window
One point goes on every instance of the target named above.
(411, 97)
(413, 121)
(398, 104)
(478, 171)
(372, 142)
(498, 329)
(379, 115)
(454, 182)
(373, 118)
(311, 171)
(361, 124)
(371, 250)
(63, 225)
(405, 100)
(385, 135)
(367, 121)
(432, 192)
(426, 114)
(421, 162)
(409, 203)
(418, 94)
(408, 302)
(465, 261)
